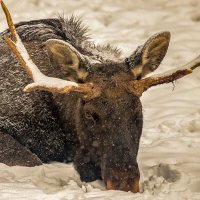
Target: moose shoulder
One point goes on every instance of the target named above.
(85, 109)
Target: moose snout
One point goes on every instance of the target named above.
(125, 181)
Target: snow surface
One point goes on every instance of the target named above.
(169, 155)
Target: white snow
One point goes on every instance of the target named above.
(169, 155)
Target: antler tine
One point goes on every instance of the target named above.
(169, 76)
(41, 82)
(9, 21)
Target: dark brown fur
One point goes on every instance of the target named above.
(101, 135)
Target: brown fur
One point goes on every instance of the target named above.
(97, 125)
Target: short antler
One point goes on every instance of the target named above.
(142, 85)
(41, 82)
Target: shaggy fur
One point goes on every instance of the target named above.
(101, 135)
(34, 119)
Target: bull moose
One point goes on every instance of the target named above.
(86, 108)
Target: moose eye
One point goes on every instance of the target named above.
(92, 116)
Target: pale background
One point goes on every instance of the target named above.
(169, 156)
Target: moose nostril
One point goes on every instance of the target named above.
(139, 77)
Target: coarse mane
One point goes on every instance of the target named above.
(71, 30)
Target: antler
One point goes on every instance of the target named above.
(142, 85)
(41, 82)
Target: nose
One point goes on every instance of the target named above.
(123, 181)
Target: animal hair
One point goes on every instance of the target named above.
(71, 30)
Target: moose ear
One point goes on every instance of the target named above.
(65, 57)
(148, 57)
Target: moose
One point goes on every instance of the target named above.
(84, 103)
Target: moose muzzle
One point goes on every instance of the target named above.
(124, 181)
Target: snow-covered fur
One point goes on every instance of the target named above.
(34, 119)
(71, 30)
(101, 134)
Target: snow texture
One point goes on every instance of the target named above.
(169, 148)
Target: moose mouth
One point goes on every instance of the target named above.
(124, 181)
(133, 187)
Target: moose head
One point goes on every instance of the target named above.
(108, 114)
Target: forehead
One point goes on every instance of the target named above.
(109, 69)
(115, 87)
(112, 80)
(110, 73)
(115, 100)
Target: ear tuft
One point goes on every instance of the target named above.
(65, 57)
(148, 57)
(154, 51)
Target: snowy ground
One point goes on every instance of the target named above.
(169, 156)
